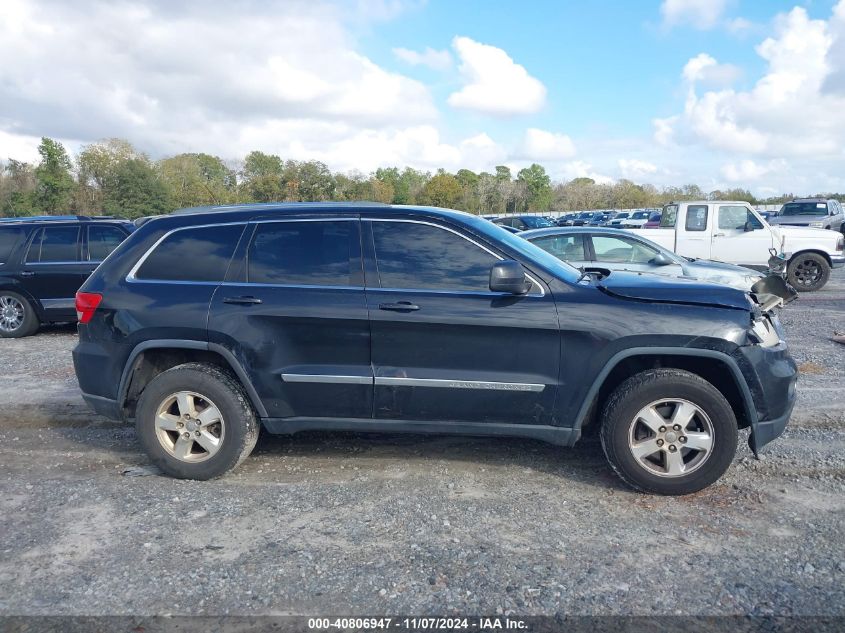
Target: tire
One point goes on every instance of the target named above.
(808, 272)
(669, 393)
(17, 316)
(221, 426)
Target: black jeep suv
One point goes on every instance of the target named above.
(208, 322)
(43, 262)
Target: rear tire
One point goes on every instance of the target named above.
(17, 316)
(195, 421)
(808, 272)
(645, 447)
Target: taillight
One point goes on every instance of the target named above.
(86, 305)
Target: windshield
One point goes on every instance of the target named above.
(803, 208)
(640, 215)
(620, 216)
(534, 222)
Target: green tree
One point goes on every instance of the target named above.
(307, 181)
(539, 187)
(96, 166)
(197, 179)
(17, 188)
(262, 177)
(134, 190)
(443, 190)
(53, 180)
(503, 173)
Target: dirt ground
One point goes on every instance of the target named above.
(368, 524)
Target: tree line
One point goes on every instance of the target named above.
(113, 177)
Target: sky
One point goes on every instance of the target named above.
(721, 93)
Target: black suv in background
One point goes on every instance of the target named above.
(43, 262)
(206, 323)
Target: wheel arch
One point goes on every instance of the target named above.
(708, 364)
(814, 251)
(150, 358)
(15, 287)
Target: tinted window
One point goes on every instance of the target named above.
(102, 240)
(422, 256)
(55, 244)
(303, 253)
(621, 250)
(200, 254)
(804, 208)
(735, 218)
(696, 217)
(9, 237)
(565, 247)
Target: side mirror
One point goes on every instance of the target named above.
(749, 226)
(509, 276)
(661, 259)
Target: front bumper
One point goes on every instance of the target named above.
(837, 261)
(771, 375)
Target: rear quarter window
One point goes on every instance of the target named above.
(192, 254)
(9, 238)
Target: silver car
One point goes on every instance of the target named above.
(616, 249)
(819, 213)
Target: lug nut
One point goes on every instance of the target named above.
(683, 439)
(662, 429)
(672, 448)
(197, 433)
(660, 442)
(677, 427)
(186, 435)
(179, 424)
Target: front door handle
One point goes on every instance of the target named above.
(27, 273)
(718, 235)
(399, 306)
(245, 301)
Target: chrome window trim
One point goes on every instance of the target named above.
(261, 284)
(328, 379)
(534, 282)
(456, 383)
(131, 276)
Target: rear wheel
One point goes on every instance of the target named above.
(195, 421)
(669, 432)
(17, 316)
(808, 271)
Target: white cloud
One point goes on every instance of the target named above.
(788, 111)
(434, 59)
(746, 171)
(664, 130)
(494, 83)
(700, 14)
(191, 77)
(635, 169)
(739, 26)
(540, 145)
(583, 169)
(704, 69)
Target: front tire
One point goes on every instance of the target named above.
(808, 272)
(668, 432)
(196, 422)
(17, 316)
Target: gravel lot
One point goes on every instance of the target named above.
(369, 524)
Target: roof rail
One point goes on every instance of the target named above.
(57, 218)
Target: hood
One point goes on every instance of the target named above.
(661, 289)
(722, 273)
(797, 219)
(805, 232)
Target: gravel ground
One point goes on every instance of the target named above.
(367, 524)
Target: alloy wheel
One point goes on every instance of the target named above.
(808, 272)
(671, 438)
(189, 426)
(11, 313)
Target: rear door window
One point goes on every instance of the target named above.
(669, 216)
(319, 253)
(565, 247)
(696, 218)
(102, 240)
(195, 254)
(54, 244)
(9, 238)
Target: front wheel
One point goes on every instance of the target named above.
(669, 432)
(195, 421)
(808, 271)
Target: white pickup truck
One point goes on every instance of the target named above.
(733, 232)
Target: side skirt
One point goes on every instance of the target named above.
(550, 434)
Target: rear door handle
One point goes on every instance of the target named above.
(245, 301)
(27, 273)
(399, 306)
(718, 235)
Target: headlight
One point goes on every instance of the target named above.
(840, 243)
(817, 225)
